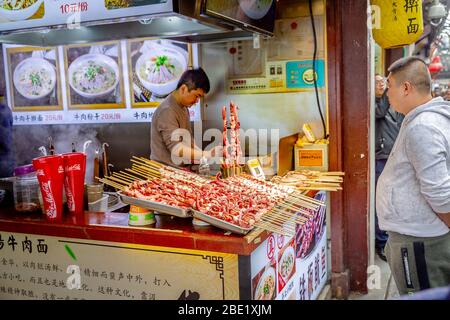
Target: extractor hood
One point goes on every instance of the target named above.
(186, 20)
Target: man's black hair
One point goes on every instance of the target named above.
(195, 79)
(413, 69)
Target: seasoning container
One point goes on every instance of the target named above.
(140, 216)
(27, 194)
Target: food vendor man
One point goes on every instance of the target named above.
(172, 141)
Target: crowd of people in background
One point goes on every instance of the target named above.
(441, 91)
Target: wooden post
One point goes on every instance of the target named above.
(349, 118)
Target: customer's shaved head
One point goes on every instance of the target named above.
(415, 71)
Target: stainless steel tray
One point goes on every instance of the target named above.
(220, 223)
(159, 207)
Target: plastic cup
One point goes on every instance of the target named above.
(74, 172)
(50, 174)
(94, 191)
(99, 205)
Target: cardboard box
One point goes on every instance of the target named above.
(311, 157)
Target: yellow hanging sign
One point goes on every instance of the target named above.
(396, 23)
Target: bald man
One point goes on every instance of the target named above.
(413, 192)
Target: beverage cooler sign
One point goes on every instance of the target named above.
(105, 82)
(293, 268)
(19, 15)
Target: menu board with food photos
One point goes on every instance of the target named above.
(106, 82)
(94, 76)
(33, 78)
(155, 66)
(16, 15)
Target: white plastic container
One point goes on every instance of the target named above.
(140, 216)
(99, 205)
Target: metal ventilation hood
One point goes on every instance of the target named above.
(182, 21)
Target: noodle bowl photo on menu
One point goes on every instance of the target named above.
(155, 68)
(264, 283)
(18, 10)
(94, 76)
(286, 265)
(34, 82)
(120, 4)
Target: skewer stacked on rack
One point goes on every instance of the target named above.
(311, 180)
(232, 151)
(241, 200)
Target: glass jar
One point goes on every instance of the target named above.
(27, 194)
(203, 168)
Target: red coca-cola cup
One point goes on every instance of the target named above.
(50, 174)
(74, 172)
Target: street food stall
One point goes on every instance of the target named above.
(235, 235)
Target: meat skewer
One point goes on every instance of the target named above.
(226, 155)
(233, 136)
(237, 142)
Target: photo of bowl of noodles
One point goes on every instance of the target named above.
(266, 285)
(159, 70)
(286, 263)
(93, 75)
(16, 10)
(34, 78)
(255, 9)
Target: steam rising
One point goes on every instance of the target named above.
(29, 139)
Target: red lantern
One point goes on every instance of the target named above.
(436, 65)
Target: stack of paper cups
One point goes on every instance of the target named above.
(140, 216)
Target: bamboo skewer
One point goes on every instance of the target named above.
(276, 218)
(138, 173)
(321, 188)
(149, 169)
(145, 172)
(283, 220)
(297, 217)
(288, 227)
(156, 164)
(276, 230)
(129, 175)
(124, 177)
(280, 225)
(124, 183)
(306, 198)
(285, 213)
(111, 183)
(302, 204)
(290, 206)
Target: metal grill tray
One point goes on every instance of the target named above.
(156, 206)
(220, 223)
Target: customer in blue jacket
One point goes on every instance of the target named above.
(387, 127)
(7, 159)
(413, 191)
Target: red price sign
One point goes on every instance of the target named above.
(270, 247)
(280, 241)
(74, 7)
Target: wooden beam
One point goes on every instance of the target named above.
(349, 118)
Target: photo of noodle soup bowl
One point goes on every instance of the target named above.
(159, 70)
(16, 10)
(266, 285)
(286, 264)
(93, 75)
(34, 78)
